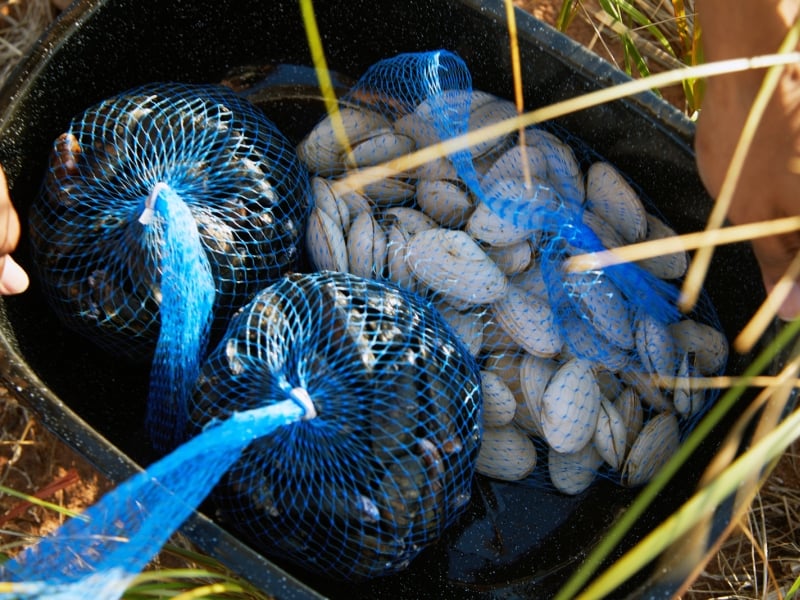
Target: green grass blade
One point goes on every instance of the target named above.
(569, 9)
(629, 518)
(702, 504)
(43, 503)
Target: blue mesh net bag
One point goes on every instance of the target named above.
(342, 416)
(386, 464)
(163, 210)
(585, 373)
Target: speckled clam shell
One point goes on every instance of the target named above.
(708, 345)
(610, 437)
(611, 197)
(410, 219)
(573, 472)
(529, 321)
(444, 201)
(325, 242)
(687, 398)
(486, 226)
(469, 325)
(655, 345)
(506, 453)
(564, 172)
(512, 259)
(654, 446)
(666, 266)
(380, 146)
(488, 110)
(451, 262)
(498, 401)
(397, 267)
(366, 247)
(535, 374)
(322, 150)
(325, 200)
(570, 406)
(630, 409)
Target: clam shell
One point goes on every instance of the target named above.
(687, 400)
(512, 259)
(409, 219)
(573, 472)
(322, 151)
(496, 339)
(325, 242)
(355, 202)
(329, 204)
(438, 169)
(397, 267)
(611, 197)
(382, 145)
(507, 367)
(654, 446)
(390, 191)
(418, 124)
(366, 247)
(632, 413)
(610, 436)
(446, 202)
(529, 321)
(564, 172)
(603, 306)
(570, 406)
(484, 111)
(506, 453)
(667, 266)
(449, 261)
(512, 164)
(605, 232)
(498, 401)
(486, 226)
(708, 345)
(535, 374)
(655, 345)
(531, 280)
(525, 420)
(469, 326)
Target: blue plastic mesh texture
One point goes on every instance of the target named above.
(485, 233)
(204, 146)
(165, 209)
(386, 464)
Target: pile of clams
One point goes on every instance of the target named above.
(426, 230)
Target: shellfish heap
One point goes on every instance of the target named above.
(171, 207)
(187, 181)
(567, 359)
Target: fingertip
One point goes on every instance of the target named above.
(790, 309)
(14, 279)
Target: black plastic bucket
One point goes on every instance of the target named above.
(514, 541)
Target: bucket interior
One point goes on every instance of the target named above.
(514, 541)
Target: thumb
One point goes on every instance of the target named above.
(13, 278)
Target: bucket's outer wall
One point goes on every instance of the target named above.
(98, 48)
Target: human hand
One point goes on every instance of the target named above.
(13, 279)
(768, 186)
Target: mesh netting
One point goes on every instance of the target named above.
(339, 418)
(163, 210)
(592, 368)
(387, 463)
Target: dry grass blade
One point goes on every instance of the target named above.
(21, 24)
(679, 243)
